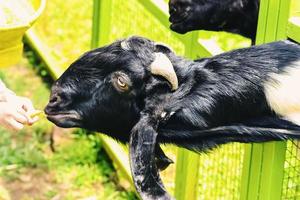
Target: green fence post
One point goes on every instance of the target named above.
(101, 29)
(294, 29)
(186, 181)
(264, 163)
(101, 22)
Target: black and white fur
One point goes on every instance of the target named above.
(246, 95)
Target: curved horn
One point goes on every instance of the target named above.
(162, 66)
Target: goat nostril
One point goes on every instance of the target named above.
(54, 100)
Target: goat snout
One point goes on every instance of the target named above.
(58, 101)
(54, 104)
(55, 99)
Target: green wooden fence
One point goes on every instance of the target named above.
(266, 167)
(263, 171)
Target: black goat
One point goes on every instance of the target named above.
(235, 16)
(138, 91)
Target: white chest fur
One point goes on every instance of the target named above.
(283, 93)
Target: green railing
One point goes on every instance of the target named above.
(264, 173)
(258, 171)
(293, 29)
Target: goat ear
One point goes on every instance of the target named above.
(142, 161)
(163, 48)
(162, 66)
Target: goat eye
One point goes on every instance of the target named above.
(121, 82)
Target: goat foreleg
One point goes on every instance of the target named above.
(142, 161)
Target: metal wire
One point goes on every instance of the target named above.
(291, 181)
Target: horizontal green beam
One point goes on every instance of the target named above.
(44, 53)
(118, 154)
(207, 48)
(293, 29)
(159, 9)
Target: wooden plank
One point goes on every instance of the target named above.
(262, 21)
(100, 36)
(186, 181)
(253, 152)
(263, 175)
(246, 172)
(284, 12)
(118, 154)
(44, 53)
(101, 22)
(255, 174)
(272, 169)
(187, 165)
(272, 21)
(207, 48)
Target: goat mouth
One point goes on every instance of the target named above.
(65, 119)
(177, 22)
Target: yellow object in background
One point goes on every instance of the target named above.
(4, 194)
(16, 16)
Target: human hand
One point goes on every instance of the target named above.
(15, 112)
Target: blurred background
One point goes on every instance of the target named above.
(46, 162)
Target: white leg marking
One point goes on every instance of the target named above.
(294, 117)
(283, 93)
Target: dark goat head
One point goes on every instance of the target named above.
(235, 16)
(104, 89)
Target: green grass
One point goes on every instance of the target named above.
(84, 163)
